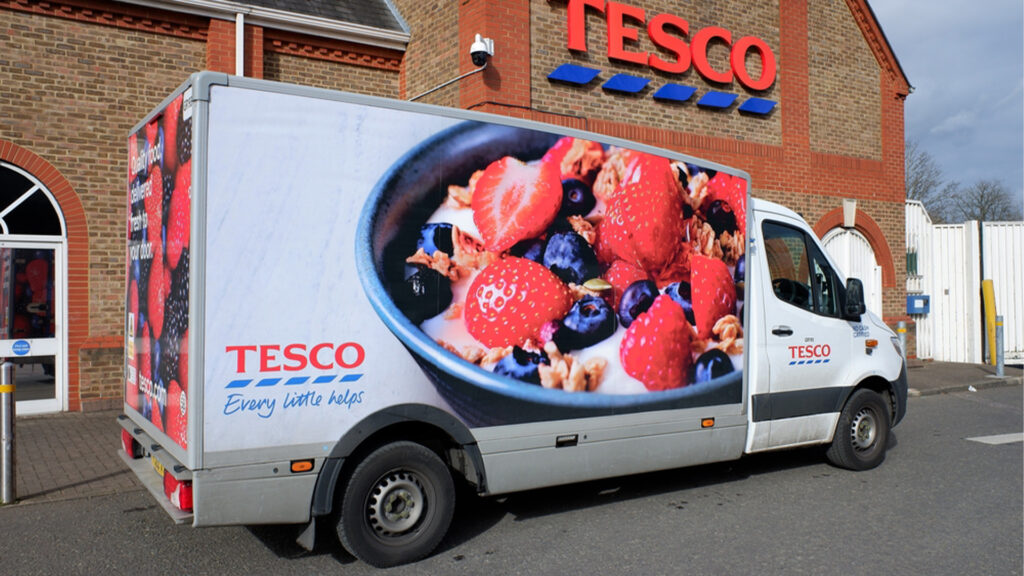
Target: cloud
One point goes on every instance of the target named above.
(963, 120)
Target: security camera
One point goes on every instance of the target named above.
(481, 50)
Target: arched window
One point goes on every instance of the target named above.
(26, 206)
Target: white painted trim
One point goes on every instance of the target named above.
(282, 20)
(240, 44)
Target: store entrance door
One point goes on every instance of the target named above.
(31, 301)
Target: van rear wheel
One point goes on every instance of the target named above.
(862, 434)
(397, 505)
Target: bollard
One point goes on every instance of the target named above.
(901, 333)
(999, 346)
(7, 488)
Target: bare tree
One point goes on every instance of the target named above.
(985, 200)
(923, 176)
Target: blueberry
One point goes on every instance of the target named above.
(522, 365)
(740, 275)
(531, 249)
(741, 269)
(589, 321)
(680, 292)
(571, 258)
(721, 218)
(436, 236)
(424, 294)
(636, 299)
(710, 365)
(577, 198)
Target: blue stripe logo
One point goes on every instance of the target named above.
(809, 362)
(270, 382)
(627, 84)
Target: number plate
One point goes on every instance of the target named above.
(157, 466)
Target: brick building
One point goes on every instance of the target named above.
(805, 95)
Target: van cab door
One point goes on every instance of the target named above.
(807, 342)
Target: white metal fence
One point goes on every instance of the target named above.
(947, 263)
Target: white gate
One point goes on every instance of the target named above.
(947, 263)
(853, 254)
(1003, 262)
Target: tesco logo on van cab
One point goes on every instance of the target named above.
(669, 33)
(810, 354)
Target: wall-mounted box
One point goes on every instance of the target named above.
(918, 304)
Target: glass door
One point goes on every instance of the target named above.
(31, 301)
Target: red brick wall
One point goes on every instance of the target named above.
(434, 54)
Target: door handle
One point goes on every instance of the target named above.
(782, 331)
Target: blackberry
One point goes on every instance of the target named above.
(184, 143)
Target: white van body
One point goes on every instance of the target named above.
(270, 377)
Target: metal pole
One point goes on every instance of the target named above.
(999, 345)
(7, 487)
(901, 332)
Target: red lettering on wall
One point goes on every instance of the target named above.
(701, 39)
(669, 32)
(738, 60)
(577, 26)
(617, 32)
(674, 44)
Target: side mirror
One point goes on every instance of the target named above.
(854, 299)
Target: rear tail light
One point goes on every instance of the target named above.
(179, 492)
(131, 445)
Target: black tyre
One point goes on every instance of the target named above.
(396, 506)
(862, 434)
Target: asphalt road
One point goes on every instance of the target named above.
(942, 503)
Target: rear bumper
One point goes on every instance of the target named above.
(145, 469)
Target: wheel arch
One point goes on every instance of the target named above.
(432, 427)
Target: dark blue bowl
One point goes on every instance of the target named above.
(399, 204)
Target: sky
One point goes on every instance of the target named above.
(965, 60)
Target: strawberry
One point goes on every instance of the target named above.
(644, 225)
(171, 117)
(656, 347)
(732, 190)
(178, 218)
(512, 299)
(714, 293)
(513, 201)
(177, 414)
(678, 269)
(576, 158)
(620, 275)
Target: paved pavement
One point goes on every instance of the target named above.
(74, 455)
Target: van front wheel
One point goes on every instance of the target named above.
(397, 505)
(862, 434)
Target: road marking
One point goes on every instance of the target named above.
(999, 439)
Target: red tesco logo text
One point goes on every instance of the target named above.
(295, 357)
(668, 32)
(810, 351)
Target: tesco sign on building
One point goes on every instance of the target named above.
(680, 48)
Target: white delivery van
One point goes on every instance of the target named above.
(339, 305)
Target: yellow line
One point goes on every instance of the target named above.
(9, 388)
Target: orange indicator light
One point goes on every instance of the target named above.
(302, 465)
(707, 422)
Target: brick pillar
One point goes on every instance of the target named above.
(507, 78)
(220, 46)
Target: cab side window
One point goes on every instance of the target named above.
(800, 274)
